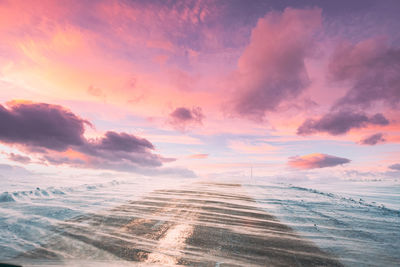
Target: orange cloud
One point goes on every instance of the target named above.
(73, 155)
(198, 156)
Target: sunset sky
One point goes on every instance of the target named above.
(296, 89)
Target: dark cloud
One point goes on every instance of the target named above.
(272, 69)
(117, 151)
(40, 125)
(182, 117)
(340, 122)
(395, 167)
(54, 135)
(316, 160)
(372, 68)
(373, 139)
(185, 114)
(122, 142)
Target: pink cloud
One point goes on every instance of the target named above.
(367, 71)
(182, 118)
(247, 148)
(198, 156)
(316, 160)
(371, 67)
(271, 70)
(89, 52)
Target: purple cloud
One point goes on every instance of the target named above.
(372, 69)
(395, 167)
(121, 148)
(123, 142)
(373, 139)
(340, 123)
(55, 135)
(183, 117)
(115, 151)
(41, 125)
(316, 160)
(272, 69)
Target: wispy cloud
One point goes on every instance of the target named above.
(198, 156)
(249, 148)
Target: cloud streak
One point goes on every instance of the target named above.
(198, 156)
(317, 160)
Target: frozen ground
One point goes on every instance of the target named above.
(183, 222)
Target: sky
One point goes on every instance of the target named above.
(293, 89)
